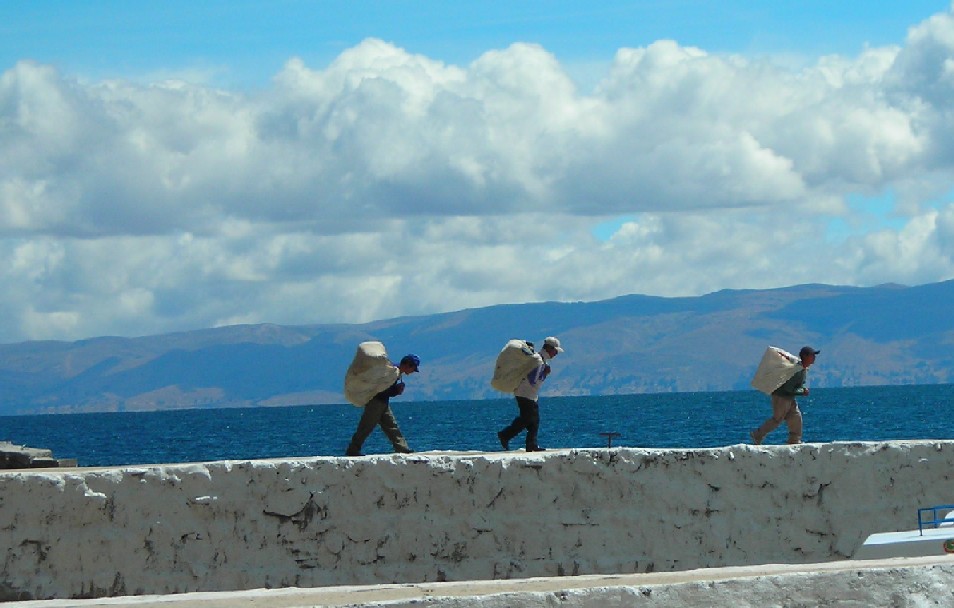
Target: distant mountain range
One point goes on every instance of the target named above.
(888, 334)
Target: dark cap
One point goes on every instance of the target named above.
(412, 360)
(807, 350)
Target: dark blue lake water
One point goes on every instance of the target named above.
(659, 420)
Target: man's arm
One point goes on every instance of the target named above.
(794, 386)
(538, 374)
(396, 389)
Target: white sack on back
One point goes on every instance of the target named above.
(775, 369)
(514, 362)
(369, 373)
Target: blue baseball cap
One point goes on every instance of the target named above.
(412, 360)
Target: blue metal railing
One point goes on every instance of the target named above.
(934, 521)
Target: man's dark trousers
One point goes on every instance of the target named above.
(529, 419)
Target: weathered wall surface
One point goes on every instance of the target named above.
(329, 521)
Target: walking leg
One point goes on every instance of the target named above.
(369, 420)
(780, 409)
(794, 421)
(533, 427)
(390, 427)
(515, 428)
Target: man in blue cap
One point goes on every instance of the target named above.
(378, 412)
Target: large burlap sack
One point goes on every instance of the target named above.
(515, 361)
(775, 369)
(369, 373)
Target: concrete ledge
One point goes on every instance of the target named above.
(421, 518)
(13, 456)
(920, 581)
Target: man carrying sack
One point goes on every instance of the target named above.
(784, 406)
(372, 374)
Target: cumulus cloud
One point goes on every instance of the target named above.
(388, 183)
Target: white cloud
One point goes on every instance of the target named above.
(388, 183)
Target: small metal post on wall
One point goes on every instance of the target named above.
(609, 438)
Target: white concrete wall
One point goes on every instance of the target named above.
(329, 521)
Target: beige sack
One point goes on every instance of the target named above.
(369, 373)
(775, 369)
(514, 362)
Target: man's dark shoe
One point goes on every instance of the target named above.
(536, 449)
(504, 442)
(405, 451)
(351, 452)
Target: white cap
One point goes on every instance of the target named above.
(551, 341)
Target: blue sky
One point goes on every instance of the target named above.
(169, 166)
(245, 42)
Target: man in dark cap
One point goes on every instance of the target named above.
(378, 412)
(784, 406)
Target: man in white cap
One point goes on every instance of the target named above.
(527, 394)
